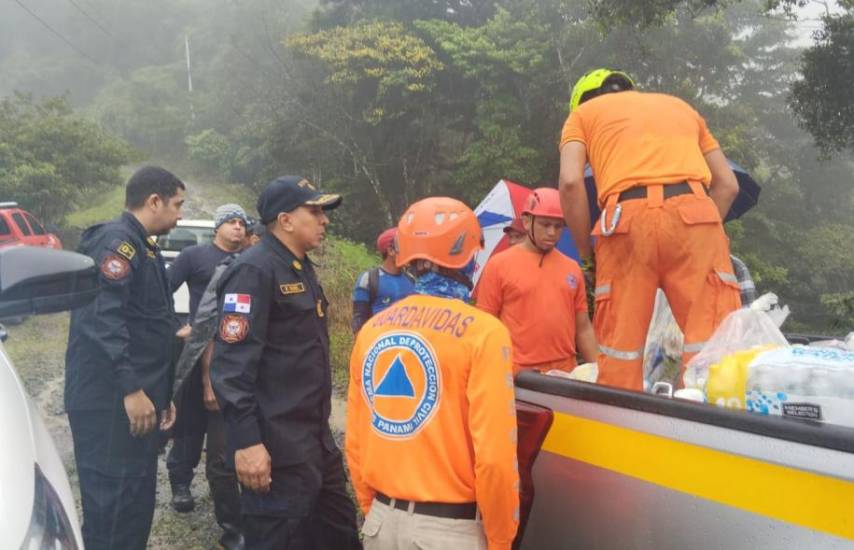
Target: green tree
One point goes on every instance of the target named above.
(211, 150)
(334, 13)
(361, 108)
(822, 97)
(646, 13)
(497, 93)
(52, 160)
(150, 108)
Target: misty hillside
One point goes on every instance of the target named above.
(390, 101)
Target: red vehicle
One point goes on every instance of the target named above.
(18, 227)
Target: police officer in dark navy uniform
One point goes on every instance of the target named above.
(272, 378)
(119, 365)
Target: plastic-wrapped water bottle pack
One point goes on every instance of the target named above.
(810, 383)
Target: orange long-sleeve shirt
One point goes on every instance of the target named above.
(431, 411)
(640, 138)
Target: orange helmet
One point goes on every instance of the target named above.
(439, 229)
(544, 202)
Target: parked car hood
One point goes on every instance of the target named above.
(17, 457)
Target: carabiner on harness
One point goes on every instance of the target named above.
(603, 220)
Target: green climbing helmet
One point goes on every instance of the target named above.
(591, 82)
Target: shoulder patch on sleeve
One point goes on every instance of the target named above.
(233, 328)
(115, 267)
(126, 249)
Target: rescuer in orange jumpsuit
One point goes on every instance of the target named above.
(664, 185)
(539, 293)
(431, 419)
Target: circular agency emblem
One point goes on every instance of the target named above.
(233, 328)
(401, 382)
(115, 267)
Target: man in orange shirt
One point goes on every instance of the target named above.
(538, 293)
(431, 418)
(664, 186)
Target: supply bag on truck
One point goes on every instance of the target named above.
(726, 381)
(742, 330)
(662, 355)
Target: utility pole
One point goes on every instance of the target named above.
(189, 77)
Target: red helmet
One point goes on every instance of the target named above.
(386, 240)
(543, 202)
(439, 229)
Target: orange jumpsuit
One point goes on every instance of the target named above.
(537, 298)
(431, 411)
(676, 244)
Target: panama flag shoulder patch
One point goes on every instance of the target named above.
(237, 303)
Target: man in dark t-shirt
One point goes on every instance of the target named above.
(195, 266)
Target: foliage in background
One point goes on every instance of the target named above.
(108, 205)
(211, 150)
(822, 99)
(148, 108)
(52, 160)
(335, 13)
(364, 96)
(841, 306)
(386, 101)
(340, 262)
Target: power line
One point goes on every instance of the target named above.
(90, 18)
(55, 32)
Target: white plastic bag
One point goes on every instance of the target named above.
(588, 372)
(768, 303)
(662, 353)
(743, 329)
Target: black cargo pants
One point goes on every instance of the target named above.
(222, 480)
(307, 508)
(118, 478)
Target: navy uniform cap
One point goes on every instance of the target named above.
(287, 193)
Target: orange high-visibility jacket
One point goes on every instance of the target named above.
(431, 413)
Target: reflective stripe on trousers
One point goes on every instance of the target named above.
(620, 354)
(677, 245)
